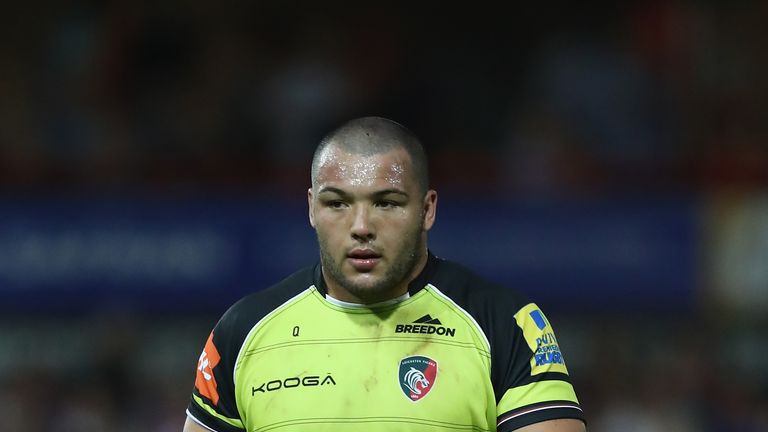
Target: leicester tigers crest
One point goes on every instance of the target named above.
(417, 376)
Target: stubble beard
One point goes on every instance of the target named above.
(397, 274)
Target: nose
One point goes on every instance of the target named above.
(362, 229)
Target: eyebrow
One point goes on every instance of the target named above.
(331, 189)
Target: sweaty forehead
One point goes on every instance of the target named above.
(341, 168)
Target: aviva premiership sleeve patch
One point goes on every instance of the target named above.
(540, 336)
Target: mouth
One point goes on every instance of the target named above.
(363, 260)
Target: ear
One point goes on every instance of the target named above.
(429, 209)
(311, 206)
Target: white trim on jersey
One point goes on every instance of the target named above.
(528, 411)
(195, 419)
(342, 303)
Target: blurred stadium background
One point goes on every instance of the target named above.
(609, 161)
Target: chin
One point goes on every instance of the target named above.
(364, 284)
(365, 289)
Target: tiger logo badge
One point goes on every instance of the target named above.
(417, 376)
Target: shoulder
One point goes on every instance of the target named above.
(237, 321)
(474, 292)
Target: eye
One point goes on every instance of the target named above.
(387, 204)
(335, 204)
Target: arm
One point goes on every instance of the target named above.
(192, 426)
(560, 425)
(212, 406)
(537, 395)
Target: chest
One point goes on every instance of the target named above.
(325, 370)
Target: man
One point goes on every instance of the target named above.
(381, 335)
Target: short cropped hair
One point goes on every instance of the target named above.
(375, 135)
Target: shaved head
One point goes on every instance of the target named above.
(371, 136)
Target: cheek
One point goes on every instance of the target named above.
(329, 223)
(329, 232)
(404, 226)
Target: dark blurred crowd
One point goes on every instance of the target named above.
(657, 97)
(645, 96)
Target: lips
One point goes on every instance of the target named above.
(363, 260)
(363, 254)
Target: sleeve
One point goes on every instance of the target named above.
(213, 403)
(532, 382)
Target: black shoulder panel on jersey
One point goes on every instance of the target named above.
(235, 324)
(238, 320)
(493, 307)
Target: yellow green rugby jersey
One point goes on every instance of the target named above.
(457, 353)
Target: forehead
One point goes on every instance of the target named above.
(390, 169)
